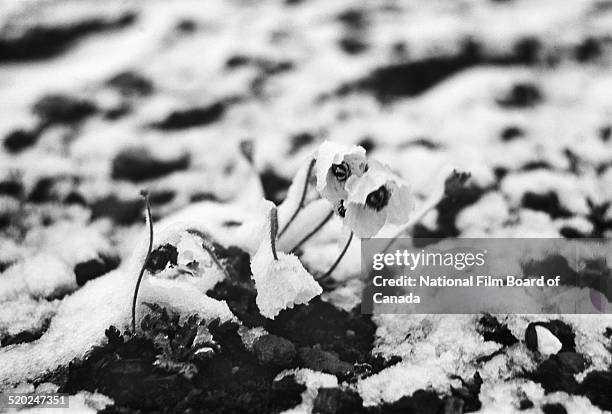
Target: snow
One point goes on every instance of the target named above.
(73, 331)
(281, 281)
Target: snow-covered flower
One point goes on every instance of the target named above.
(376, 198)
(280, 279)
(335, 165)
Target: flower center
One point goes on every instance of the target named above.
(341, 171)
(378, 199)
(341, 209)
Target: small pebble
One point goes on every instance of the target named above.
(274, 350)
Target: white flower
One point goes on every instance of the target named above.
(281, 281)
(335, 165)
(376, 198)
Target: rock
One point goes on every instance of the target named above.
(492, 330)
(138, 164)
(572, 361)
(319, 360)
(555, 408)
(337, 401)
(275, 351)
(550, 337)
(597, 387)
(20, 139)
(63, 109)
(548, 344)
(91, 269)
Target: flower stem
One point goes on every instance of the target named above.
(338, 260)
(302, 198)
(273, 231)
(145, 195)
(313, 232)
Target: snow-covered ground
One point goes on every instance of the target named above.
(103, 99)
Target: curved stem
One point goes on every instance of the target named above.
(313, 232)
(302, 198)
(273, 231)
(145, 194)
(338, 260)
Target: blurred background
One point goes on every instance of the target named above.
(101, 99)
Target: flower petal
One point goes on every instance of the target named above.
(330, 153)
(401, 203)
(363, 221)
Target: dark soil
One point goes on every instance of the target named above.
(138, 164)
(192, 117)
(230, 379)
(41, 42)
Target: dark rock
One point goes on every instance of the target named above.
(91, 269)
(205, 196)
(453, 405)
(352, 45)
(492, 330)
(75, 198)
(124, 212)
(421, 402)
(161, 257)
(237, 61)
(274, 351)
(43, 191)
(324, 361)
(117, 112)
(337, 401)
(571, 361)
(131, 84)
(527, 49)
(536, 165)
(597, 387)
(511, 133)
(20, 139)
(63, 109)
(554, 376)
(158, 198)
(588, 49)
(138, 164)
(25, 336)
(186, 26)
(554, 408)
(354, 19)
(548, 203)
(570, 233)
(11, 188)
(605, 133)
(193, 117)
(41, 42)
(525, 404)
(522, 95)
(469, 393)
